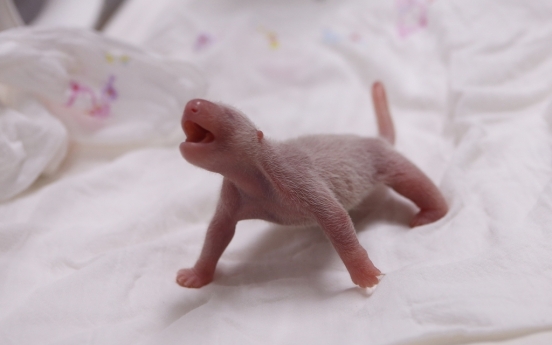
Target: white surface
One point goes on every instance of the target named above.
(90, 255)
(31, 142)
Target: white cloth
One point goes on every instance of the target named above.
(91, 257)
(31, 142)
(105, 93)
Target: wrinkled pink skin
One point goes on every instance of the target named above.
(309, 180)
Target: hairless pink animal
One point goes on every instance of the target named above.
(309, 180)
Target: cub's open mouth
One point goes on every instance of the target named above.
(197, 134)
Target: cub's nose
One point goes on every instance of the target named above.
(201, 112)
(193, 106)
(201, 107)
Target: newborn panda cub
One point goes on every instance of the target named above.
(310, 180)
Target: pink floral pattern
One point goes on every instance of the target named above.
(412, 16)
(98, 104)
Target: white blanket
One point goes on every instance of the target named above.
(105, 92)
(89, 255)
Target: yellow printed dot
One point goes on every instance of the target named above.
(109, 58)
(273, 39)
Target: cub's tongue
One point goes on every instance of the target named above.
(197, 134)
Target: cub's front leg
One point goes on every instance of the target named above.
(219, 234)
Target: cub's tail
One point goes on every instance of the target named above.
(383, 116)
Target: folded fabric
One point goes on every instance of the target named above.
(31, 142)
(104, 92)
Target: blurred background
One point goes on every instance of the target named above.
(83, 13)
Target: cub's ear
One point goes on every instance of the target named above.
(260, 135)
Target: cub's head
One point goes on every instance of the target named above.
(218, 136)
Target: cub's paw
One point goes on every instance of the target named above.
(362, 270)
(366, 278)
(191, 278)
